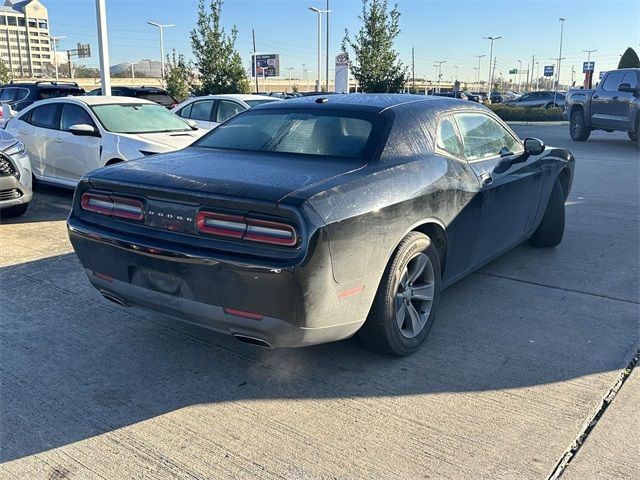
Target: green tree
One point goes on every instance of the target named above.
(376, 66)
(629, 59)
(4, 73)
(217, 61)
(178, 76)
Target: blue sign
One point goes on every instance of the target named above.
(548, 70)
(588, 67)
(602, 74)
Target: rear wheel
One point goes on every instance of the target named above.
(577, 128)
(551, 229)
(405, 305)
(633, 136)
(15, 211)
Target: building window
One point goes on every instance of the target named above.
(46, 56)
(3, 20)
(33, 23)
(12, 21)
(42, 23)
(34, 40)
(21, 22)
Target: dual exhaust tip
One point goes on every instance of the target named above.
(257, 342)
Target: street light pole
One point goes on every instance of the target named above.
(290, 68)
(478, 80)
(327, 49)
(490, 60)
(439, 67)
(519, 74)
(161, 28)
(589, 52)
(319, 13)
(555, 92)
(103, 48)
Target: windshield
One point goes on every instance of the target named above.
(255, 103)
(291, 132)
(138, 118)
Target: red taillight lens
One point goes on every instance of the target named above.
(113, 206)
(246, 228)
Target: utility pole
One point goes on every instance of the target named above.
(290, 68)
(161, 28)
(519, 74)
(327, 49)
(491, 72)
(495, 60)
(588, 84)
(133, 74)
(478, 80)
(457, 71)
(533, 64)
(537, 76)
(555, 92)
(255, 60)
(54, 44)
(103, 47)
(439, 67)
(413, 68)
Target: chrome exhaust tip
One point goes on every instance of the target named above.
(257, 342)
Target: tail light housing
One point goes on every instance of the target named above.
(247, 228)
(113, 206)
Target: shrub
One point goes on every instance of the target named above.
(526, 114)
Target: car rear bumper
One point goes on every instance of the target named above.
(291, 307)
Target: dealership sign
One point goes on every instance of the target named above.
(588, 66)
(342, 74)
(548, 70)
(267, 65)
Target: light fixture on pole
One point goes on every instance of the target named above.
(54, 44)
(439, 67)
(319, 13)
(161, 28)
(555, 92)
(493, 39)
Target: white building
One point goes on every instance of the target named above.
(25, 47)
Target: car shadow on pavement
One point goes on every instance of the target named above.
(74, 365)
(49, 204)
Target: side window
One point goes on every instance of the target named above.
(46, 116)
(21, 94)
(631, 78)
(201, 110)
(185, 112)
(527, 96)
(8, 95)
(483, 137)
(612, 81)
(74, 115)
(228, 109)
(447, 138)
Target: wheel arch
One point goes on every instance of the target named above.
(565, 181)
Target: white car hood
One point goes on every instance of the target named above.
(166, 142)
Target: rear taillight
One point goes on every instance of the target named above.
(113, 206)
(246, 228)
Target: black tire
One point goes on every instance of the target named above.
(633, 136)
(577, 128)
(15, 211)
(551, 229)
(381, 331)
(548, 106)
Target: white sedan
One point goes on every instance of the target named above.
(210, 111)
(68, 137)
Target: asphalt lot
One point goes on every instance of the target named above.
(522, 355)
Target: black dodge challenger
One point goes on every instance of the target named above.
(306, 221)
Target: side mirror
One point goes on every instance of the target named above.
(533, 146)
(626, 87)
(7, 111)
(84, 130)
(192, 124)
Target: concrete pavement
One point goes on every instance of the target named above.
(520, 358)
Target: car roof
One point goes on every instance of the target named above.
(372, 102)
(236, 96)
(39, 84)
(97, 100)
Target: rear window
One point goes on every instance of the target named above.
(163, 99)
(323, 134)
(255, 103)
(44, 93)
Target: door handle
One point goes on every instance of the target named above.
(596, 96)
(615, 97)
(58, 140)
(486, 179)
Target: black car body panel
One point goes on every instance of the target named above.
(349, 216)
(19, 95)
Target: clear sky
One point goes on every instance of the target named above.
(438, 29)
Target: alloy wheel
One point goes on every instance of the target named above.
(414, 296)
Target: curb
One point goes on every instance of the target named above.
(560, 122)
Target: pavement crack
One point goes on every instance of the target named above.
(572, 290)
(570, 454)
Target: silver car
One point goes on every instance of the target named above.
(15, 176)
(544, 99)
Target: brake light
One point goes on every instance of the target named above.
(113, 206)
(246, 228)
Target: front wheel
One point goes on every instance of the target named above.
(577, 128)
(551, 229)
(404, 308)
